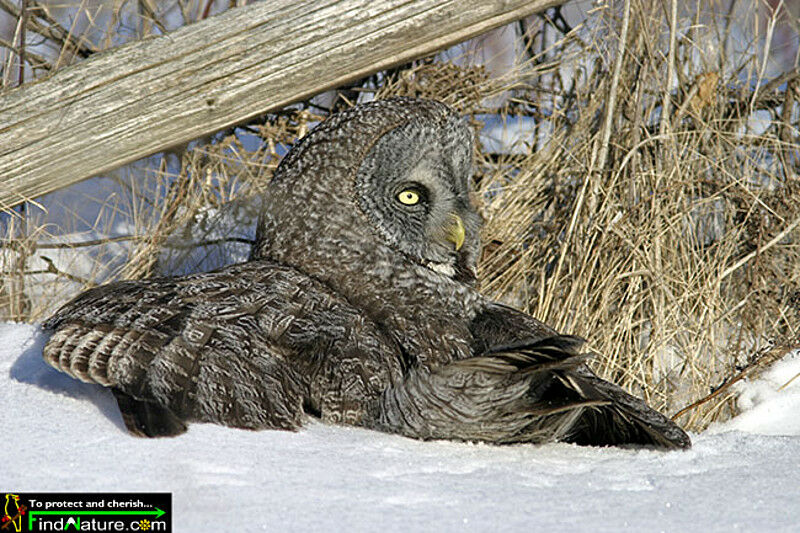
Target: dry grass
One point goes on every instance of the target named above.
(659, 220)
(672, 242)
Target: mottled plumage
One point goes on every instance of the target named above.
(357, 306)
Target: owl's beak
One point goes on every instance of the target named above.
(455, 231)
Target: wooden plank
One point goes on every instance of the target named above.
(146, 96)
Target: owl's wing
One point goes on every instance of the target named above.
(503, 397)
(175, 350)
(499, 325)
(615, 418)
(527, 385)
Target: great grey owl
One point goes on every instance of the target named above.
(357, 307)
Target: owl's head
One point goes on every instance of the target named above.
(413, 187)
(391, 175)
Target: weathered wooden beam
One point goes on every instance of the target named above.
(146, 96)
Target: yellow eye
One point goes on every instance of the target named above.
(408, 197)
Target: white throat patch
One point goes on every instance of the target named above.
(445, 269)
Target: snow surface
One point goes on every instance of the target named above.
(772, 403)
(62, 435)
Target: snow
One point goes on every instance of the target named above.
(770, 399)
(62, 435)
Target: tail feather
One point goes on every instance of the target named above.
(570, 406)
(534, 392)
(627, 420)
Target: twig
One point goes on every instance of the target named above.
(786, 385)
(52, 30)
(23, 17)
(149, 13)
(556, 20)
(784, 130)
(665, 101)
(215, 242)
(686, 103)
(53, 269)
(82, 244)
(612, 92)
(206, 10)
(184, 7)
(766, 359)
(761, 249)
(123, 238)
(41, 62)
(767, 49)
(8, 68)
